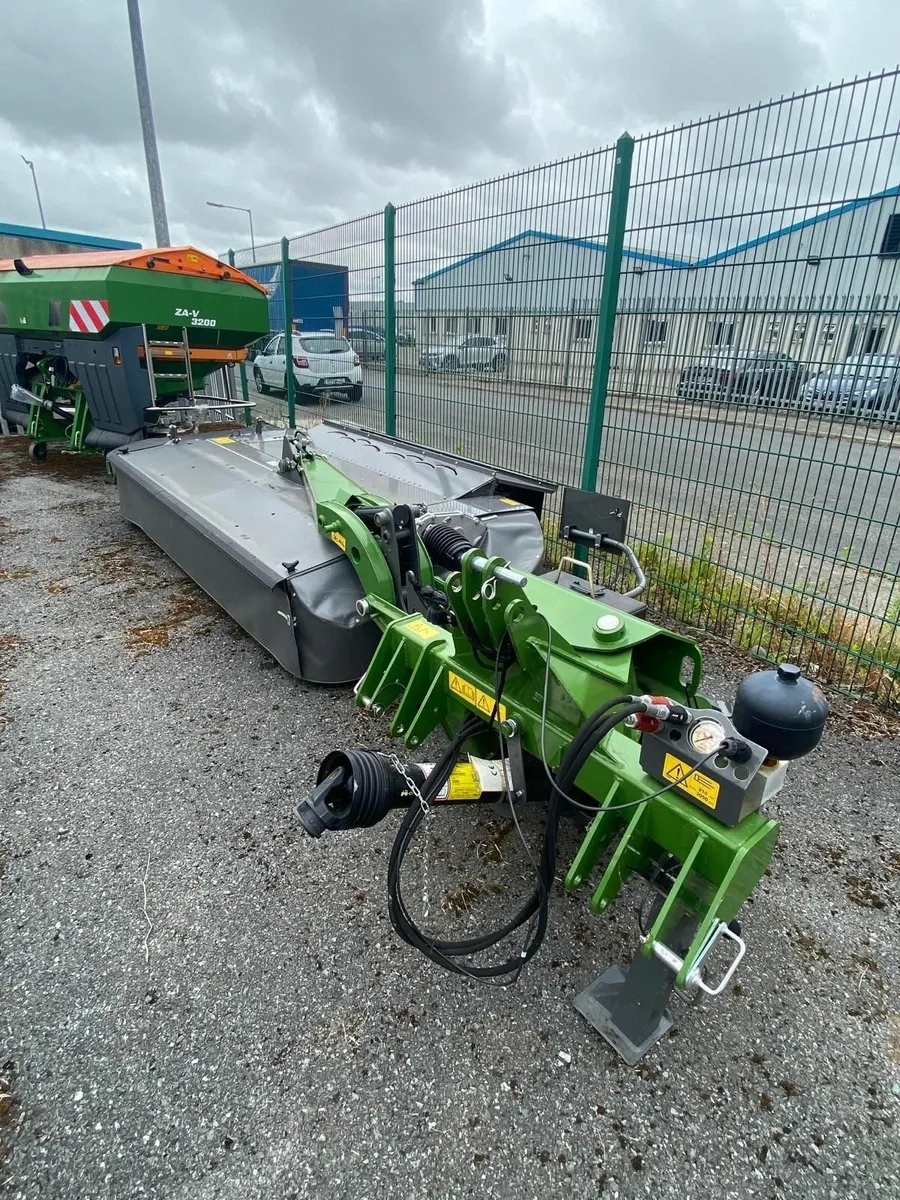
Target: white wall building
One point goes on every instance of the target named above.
(819, 290)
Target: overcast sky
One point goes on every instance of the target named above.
(313, 112)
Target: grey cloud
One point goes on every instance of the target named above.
(312, 113)
(665, 61)
(406, 82)
(93, 98)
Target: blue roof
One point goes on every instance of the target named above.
(777, 233)
(71, 239)
(849, 206)
(550, 237)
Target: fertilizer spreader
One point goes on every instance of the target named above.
(100, 349)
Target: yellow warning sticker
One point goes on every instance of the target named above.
(475, 696)
(422, 628)
(506, 500)
(463, 783)
(339, 539)
(222, 441)
(701, 787)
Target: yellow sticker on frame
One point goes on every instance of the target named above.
(463, 783)
(422, 628)
(700, 787)
(339, 540)
(474, 696)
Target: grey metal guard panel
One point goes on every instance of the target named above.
(399, 474)
(219, 507)
(232, 489)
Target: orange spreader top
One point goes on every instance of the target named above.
(178, 260)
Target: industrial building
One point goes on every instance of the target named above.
(819, 290)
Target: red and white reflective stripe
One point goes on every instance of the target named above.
(88, 316)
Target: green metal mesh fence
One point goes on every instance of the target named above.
(355, 251)
(755, 389)
(752, 406)
(497, 286)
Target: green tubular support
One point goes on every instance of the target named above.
(676, 892)
(423, 705)
(81, 423)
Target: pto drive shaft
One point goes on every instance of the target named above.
(356, 789)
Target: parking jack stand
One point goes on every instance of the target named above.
(629, 1007)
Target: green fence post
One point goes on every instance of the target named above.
(390, 326)
(288, 302)
(606, 313)
(245, 394)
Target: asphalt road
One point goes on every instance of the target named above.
(753, 480)
(200, 1003)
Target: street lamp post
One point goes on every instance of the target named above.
(238, 208)
(148, 129)
(28, 163)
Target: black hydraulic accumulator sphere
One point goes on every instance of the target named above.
(782, 711)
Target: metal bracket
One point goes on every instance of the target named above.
(694, 977)
(576, 562)
(516, 763)
(599, 523)
(629, 1008)
(589, 516)
(396, 529)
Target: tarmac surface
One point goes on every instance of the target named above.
(200, 1002)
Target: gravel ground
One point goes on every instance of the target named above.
(200, 1002)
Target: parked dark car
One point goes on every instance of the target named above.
(260, 344)
(866, 386)
(406, 337)
(744, 376)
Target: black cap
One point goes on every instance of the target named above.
(789, 672)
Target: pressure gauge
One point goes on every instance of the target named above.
(706, 736)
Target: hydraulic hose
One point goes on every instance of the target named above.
(444, 952)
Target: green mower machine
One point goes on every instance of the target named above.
(416, 575)
(352, 556)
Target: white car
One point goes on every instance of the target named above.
(322, 362)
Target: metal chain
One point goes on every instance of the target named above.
(411, 783)
(426, 810)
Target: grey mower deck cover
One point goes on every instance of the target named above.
(218, 506)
